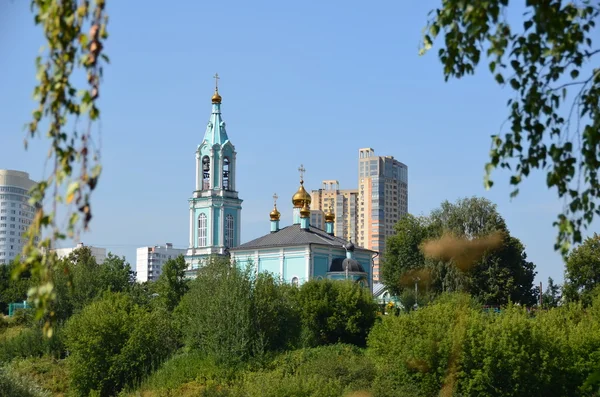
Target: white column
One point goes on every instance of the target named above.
(221, 226)
(238, 227)
(198, 171)
(209, 228)
(212, 168)
(281, 258)
(308, 259)
(192, 227)
(220, 176)
(232, 172)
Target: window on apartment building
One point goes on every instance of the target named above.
(202, 230)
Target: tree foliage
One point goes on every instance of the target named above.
(113, 343)
(582, 273)
(550, 64)
(335, 311)
(231, 314)
(75, 31)
(13, 289)
(78, 279)
(552, 296)
(451, 250)
(172, 284)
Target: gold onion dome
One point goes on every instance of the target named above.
(301, 196)
(216, 98)
(305, 211)
(329, 216)
(275, 214)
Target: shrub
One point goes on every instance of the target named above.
(12, 385)
(114, 342)
(231, 316)
(336, 312)
(422, 348)
(323, 371)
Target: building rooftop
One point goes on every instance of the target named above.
(293, 235)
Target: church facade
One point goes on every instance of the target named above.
(215, 208)
(301, 252)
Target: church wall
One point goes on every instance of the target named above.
(270, 265)
(294, 265)
(216, 240)
(321, 265)
(365, 260)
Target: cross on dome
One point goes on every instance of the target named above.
(216, 77)
(302, 170)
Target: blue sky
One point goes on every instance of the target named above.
(302, 82)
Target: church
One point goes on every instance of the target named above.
(295, 253)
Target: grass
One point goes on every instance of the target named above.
(48, 373)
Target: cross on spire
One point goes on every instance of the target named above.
(275, 197)
(302, 170)
(216, 77)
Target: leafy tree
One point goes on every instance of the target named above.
(276, 315)
(334, 311)
(403, 256)
(12, 290)
(172, 283)
(216, 313)
(552, 296)
(78, 280)
(582, 273)
(231, 315)
(468, 248)
(554, 114)
(113, 343)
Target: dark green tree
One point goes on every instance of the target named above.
(172, 283)
(78, 280)
(550, 64)
(334, 311)
(12, 290)
(552, 295)
(582, 273)
(402, 254)
(495, 274)
(113, 342)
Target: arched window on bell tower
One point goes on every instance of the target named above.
(229, 231)
(205, 173)
(226, 184)
(202, 230)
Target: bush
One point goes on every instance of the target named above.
(14, 386)
(231, 316)
(422, 347)
(30, 342)
(114, 342)
(183, 368)
(323, 371)
(336, 312)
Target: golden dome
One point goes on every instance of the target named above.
(329, 216)
(216, 98)
(275, 214)
(301, 196)
(305, 211)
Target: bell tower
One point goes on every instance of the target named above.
(215, 209)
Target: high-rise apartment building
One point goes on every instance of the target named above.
(344, 204)
(16, 214)
(150, 260)
(383, 200)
